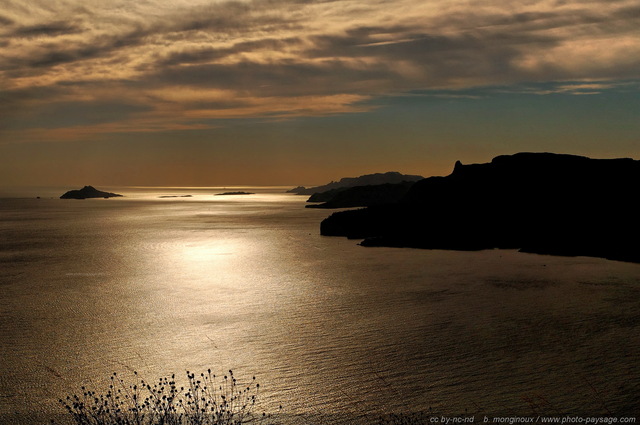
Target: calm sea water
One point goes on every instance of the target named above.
(332, 331)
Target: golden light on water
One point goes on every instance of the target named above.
(164, 285)
(193, 254)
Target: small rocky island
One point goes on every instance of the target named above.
(88, 192)
(536, 202)
(234, 193)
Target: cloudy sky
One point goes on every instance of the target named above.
(195, 92)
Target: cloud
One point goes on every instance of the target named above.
(573, 88)
(5, 21)
(56, 52)
(277, 79)
(51, 29)
(211, 54)
(265, 59)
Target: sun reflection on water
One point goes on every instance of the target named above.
(328, 326)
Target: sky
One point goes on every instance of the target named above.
(289, 92)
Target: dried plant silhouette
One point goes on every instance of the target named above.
(205, 400)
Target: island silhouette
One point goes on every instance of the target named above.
(88, 192)
(536, 202)
(235, 193)
(347, 182)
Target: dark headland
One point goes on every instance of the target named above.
(88, 192)
(535, 202)
(360, 196)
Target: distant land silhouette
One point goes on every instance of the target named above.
(234, 193)
(536, 202)
(88, 192)
(365, 180)
(297, 189)
(175, 196)
(361, 196)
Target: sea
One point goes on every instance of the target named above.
(168, 280)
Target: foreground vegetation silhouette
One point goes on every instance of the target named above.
(211, 400)
(206, 400)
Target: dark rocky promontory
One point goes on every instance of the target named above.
(368, 179)
(296, 190)
(88, 192)
(361, 196)
(535, 202)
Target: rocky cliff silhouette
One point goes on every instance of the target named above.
(536, 202)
